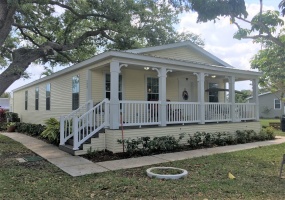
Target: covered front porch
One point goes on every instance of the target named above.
(189, 96)
(142, 91)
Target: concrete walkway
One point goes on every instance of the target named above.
(78, 166)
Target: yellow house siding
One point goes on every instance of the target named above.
(183, 53)
(98, 85)
(113, 135)
(60, 99)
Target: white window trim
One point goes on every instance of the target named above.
(145, 90)
(104, 84)
(279, 103)
(211, 82)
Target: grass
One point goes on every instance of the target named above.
(256, 173)
(265, 122)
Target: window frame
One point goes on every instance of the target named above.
(48, 94)
(26, 99)
(147, 89)
(75, 93)
(275, 104)
(37, 95)
(120, 85)
(215, 94)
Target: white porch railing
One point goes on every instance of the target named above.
(245, 111)
(140, 113)
(182, 112)
(217, 112)
(90, 123)
(67, 121)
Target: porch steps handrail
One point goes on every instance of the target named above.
(88, 124)
(66, 121)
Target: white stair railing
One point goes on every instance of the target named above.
(85, 126)
(66, 122)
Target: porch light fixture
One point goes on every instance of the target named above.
(213, 76)
(146, 68)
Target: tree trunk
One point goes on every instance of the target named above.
(6, 20)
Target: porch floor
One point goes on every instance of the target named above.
(78, 166)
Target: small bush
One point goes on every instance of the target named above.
(30, 129)
(3, 126)
(52, 131)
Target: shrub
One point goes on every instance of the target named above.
(52, 131)
(12, 117)
(146, 146)
(30, 129)
(3, 126)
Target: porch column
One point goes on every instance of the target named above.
(162, 74)
(201, 95)
(232, 98)
(114, 99)
(255, 97)
(89, 94)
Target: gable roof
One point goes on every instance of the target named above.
(262, 94)
(187, 44)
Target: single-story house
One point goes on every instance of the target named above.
(161, 90)
(269, 105)
(4, 103)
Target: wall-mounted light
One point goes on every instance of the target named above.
(213, 76)
(146, 68)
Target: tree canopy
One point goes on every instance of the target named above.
(263, 26)
(60, 32)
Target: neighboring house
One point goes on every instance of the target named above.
(269, 105)
(4, 103)
(176, 84)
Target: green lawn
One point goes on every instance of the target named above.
(256, 174)
(265, 122)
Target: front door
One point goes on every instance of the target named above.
(185, 93)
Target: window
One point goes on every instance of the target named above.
(213, 94)
(152, 89)
(277, 104)
(75, 92)
(37, 98)
(48, 96)
(108, 86)
(26, 100)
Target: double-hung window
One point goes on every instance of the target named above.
(213, 94)
(152, 89)
(75, 92)
(277, 104)
(108, 86)
(26, 100)
(48, 96)
(37, 98)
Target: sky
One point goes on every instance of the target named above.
(218, 39)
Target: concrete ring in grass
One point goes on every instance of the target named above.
(178, 175)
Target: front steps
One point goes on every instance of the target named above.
(96, 142)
